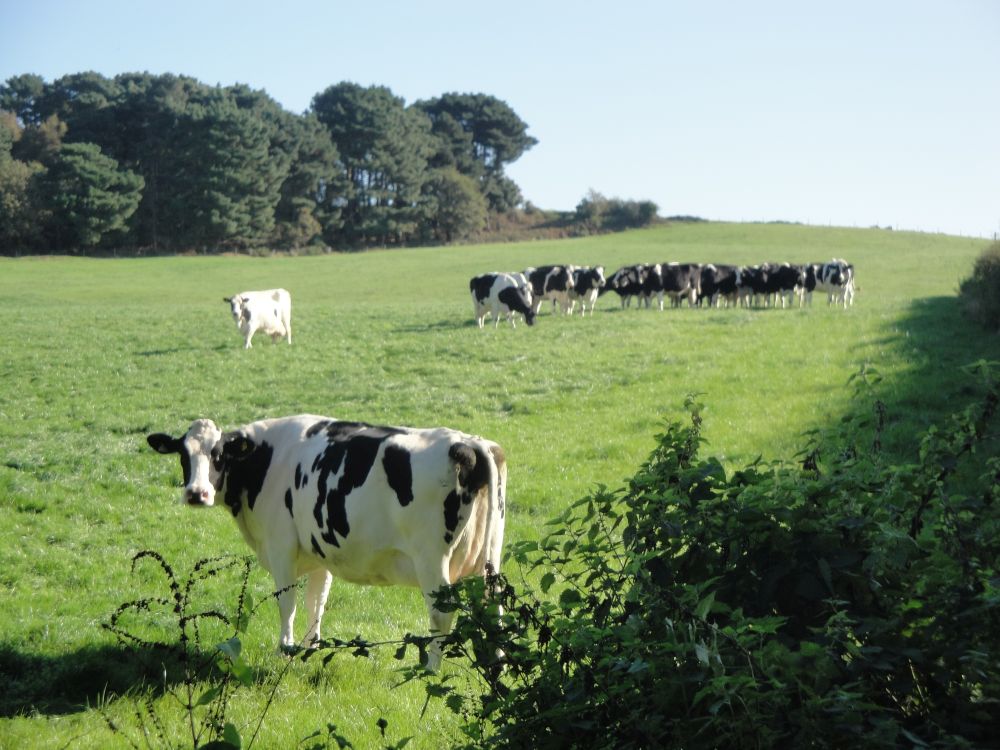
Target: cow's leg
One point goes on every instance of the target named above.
(317, 590)
(431, 578)
(282, 569)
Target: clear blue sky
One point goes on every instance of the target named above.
(854, 113)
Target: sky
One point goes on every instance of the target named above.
(848, 113)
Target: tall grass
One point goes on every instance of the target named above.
(95, 354)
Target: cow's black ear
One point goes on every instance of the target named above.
(227, 299)
(163, 443)
(237, 446)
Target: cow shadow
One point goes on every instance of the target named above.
(447, 324)
(56, 685)
(179, 349)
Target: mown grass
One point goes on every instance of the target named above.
(95, 354)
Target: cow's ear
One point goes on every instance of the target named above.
(237, 446)
(163, 443)
(227, 299)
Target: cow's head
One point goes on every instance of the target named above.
(599, 277)
(835, 272)
(236, 303)
(205, 453)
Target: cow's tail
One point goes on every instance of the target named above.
(496, 510)
(482, 470)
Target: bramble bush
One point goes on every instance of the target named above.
(980, 293)
(843, 599)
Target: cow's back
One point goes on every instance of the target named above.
(372, 503)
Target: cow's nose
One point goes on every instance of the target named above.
(197, 497)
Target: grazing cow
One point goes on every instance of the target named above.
(269, 311)
(551, 282)
(835, 277)
(587, 285)
(718, 282)
(501, 295)
(627, 282)
(373, 505)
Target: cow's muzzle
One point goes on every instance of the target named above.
(197, 497)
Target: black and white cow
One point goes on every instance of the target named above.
(627, 282)
(500, 295)
(835, 277)
(751, 284)
(785, 282)
(675, 280)
(553, 283)
(680, 280)
(718, 284)
(587, 285)
(269, 311)
(314, 496)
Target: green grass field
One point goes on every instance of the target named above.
(95, 354)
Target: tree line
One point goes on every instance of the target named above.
(165, 163)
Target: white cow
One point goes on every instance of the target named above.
(373, 505)
(269, 311)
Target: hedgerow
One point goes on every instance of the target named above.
(980, 293)
(840, 599)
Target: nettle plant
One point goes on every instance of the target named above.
(838, 600)
(199, 651)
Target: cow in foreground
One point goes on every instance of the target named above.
(269, 311)
(501, 295)
(314, 496)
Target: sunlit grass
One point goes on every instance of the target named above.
(95, 354)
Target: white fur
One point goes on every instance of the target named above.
(268, 311)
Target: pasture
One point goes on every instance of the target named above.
(95, 354)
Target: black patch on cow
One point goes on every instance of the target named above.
(480, 286)
(288, 502)
(473, 474)
(185, 466)
(351, 451)
(298, 476)
(517, 301)
(317, 428)
(396, 462)
(316, 547)
(451, 506)
(246, 476)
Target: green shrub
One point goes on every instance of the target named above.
(835, 601)
(980, 293)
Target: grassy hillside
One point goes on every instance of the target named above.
(98, 353)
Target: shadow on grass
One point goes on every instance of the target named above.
(179, 349)
(937, 340)
(74, 682)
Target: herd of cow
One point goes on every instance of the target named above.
(506, 295)
(315, 496)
